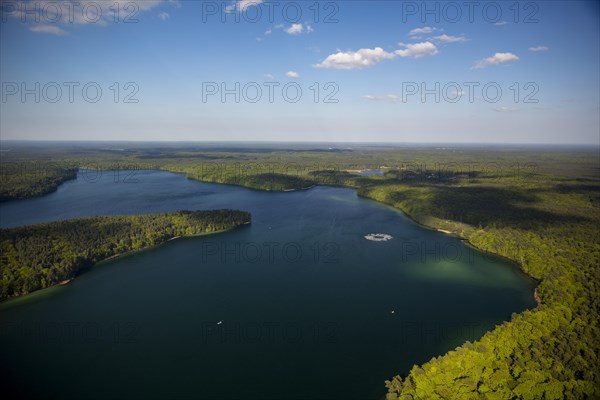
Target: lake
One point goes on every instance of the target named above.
(297, 305)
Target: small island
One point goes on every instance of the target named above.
(39, 256)
(379, 237)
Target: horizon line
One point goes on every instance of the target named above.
(296, 142)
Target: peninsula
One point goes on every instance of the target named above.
(39, 256)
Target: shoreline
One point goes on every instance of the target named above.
(295, 190)
(95, 264)
(458, 235)
(404, 212)
(468, 243)
(127, 253)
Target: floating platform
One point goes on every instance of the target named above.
(378, 237)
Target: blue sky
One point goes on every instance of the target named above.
(360, 66)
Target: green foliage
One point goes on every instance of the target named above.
(20, 180)
(547, 353)
(38, 256)
(538, 207)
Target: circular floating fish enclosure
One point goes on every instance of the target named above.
(378, 237)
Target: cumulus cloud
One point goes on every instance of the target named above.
(292, 74)
(539, 48)
(423, 30)
(362, 58)
(163, 16)
(500, 23)
(417, 50)
(498, 58)
(51, 29)
(296, 29)
(450, 39)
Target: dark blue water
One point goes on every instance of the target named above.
(297, 305)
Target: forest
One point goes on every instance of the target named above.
(38, 256)
(550, 352)
(539, 207)
(29, 179)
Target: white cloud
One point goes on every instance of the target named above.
(163, 16)
(242, 5)
(269, 76)
(539, 48)
(424, 30)
(292, 74)
(295, 29)
(362, 58)
(505, 109)
(498, 58)
(51, 29)
(388, 97)
(96, 12)
(500, 23)
(450, 39)
(417, 50)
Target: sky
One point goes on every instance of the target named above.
(364, 71)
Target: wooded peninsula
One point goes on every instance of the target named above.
(39, 256)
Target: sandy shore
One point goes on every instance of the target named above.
(294, 190)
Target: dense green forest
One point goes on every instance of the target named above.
(29, 179)
(270, 181)
(550, 352)
(38, 256)
(539, 207)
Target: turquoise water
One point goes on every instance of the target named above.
(296, 305)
